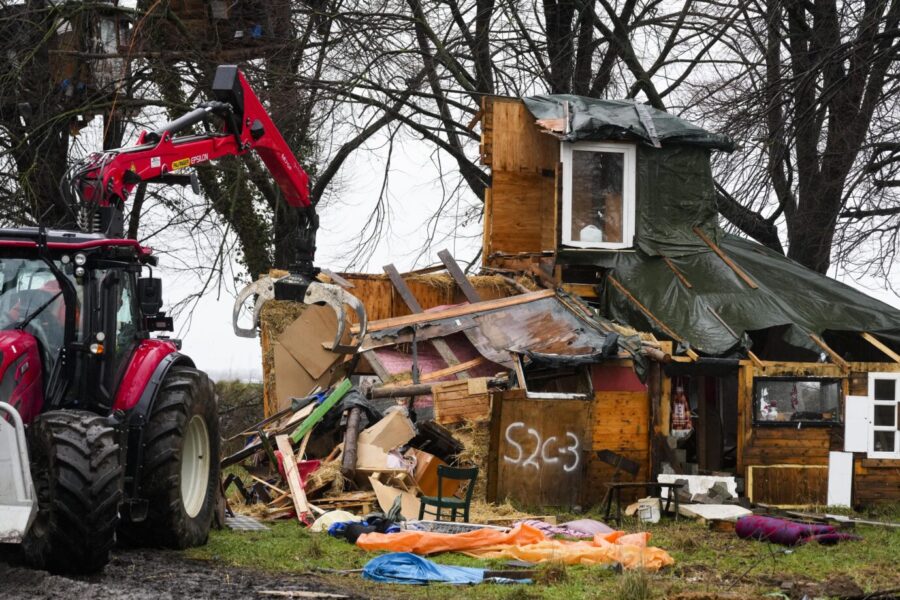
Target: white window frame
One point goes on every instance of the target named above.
(894, 404)
(629, 203)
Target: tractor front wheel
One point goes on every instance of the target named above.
(77, 472)
(180, 476)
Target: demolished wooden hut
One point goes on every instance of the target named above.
(613, 317)
(792, 379)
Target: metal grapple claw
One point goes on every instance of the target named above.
(336, 297)
(264, 289)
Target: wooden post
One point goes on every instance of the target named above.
(834, 356)
(881, 346)
(298, 496)
(439, 344)
(458, 276)
(351, 435)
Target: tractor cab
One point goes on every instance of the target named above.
(88, 396)
(70, 318)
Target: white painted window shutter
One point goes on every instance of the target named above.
(857, 423)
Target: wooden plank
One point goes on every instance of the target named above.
(440, 345)
(456, 311)
(624, 291)
(755, 359)
(788, 484)
(402, 288)
(434, 375)
(458, 276)
(733, 265)
(298, 496)
(678, 273)
(881, 346)
(834, 356)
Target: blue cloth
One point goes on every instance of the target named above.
(404, 567)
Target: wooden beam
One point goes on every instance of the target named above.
(734, 267)
(456, 311)
(426, 270)
(376, 365)
(439, 344)
(881, 346)
(408, 297)
(425, 377)
(459, 277)
(678, 273)
(337, 279)
(298, 496)
(755, 360)
(650, 315)
(834, 356)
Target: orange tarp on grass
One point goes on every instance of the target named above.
(525, 542)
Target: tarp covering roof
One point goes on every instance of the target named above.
(719, 310)
(576, 118)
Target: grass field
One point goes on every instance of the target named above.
(707, 564)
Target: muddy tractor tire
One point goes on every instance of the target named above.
(180, 477)
(77, 472)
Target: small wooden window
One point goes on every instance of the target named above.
(796, 401)
(884, 439)
(598, 208)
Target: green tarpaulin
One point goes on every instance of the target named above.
(597, 119)
(720, 311)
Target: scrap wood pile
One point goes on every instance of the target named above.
(374, 459)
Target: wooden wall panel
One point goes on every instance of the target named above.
(517, 144)
(466, 401)
(520, 214)
(621, 423)
(875, 480)
(788, 485)
(787, 445)
(519, 211)
(539, 448)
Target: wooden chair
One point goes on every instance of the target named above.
(451, 503)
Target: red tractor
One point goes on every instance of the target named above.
(106, 431)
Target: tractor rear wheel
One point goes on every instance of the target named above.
(77, 472)
(181, 463)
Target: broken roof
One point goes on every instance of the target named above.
(701, 299)
(577, 118)
(540, 324)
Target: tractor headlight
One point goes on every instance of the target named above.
(79, 271)
(80, 259)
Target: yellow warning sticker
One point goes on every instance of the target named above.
(180, 164)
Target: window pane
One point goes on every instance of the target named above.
(797, 400)
(597, 204)
(884, 441)
(885, 389)
(884, 415)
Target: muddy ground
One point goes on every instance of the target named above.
(152, 574)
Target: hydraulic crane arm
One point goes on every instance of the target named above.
(99, 186)
(159, 153)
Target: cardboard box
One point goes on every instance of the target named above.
(426, 475)
(395, 429)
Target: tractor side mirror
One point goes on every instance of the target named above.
(149, 291)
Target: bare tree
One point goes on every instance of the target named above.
(811, 91)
